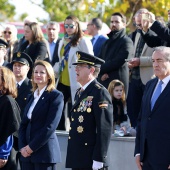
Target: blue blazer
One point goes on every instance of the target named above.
(39, 132)
(97, 46)
(153, 126)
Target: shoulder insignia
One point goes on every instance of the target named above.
(98, 86)
(103, 104)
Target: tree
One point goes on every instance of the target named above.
(7, 11)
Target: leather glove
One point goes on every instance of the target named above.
(97, 165)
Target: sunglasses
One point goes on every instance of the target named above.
(69, 26)
(9, 32)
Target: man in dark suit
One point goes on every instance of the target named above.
(53, 29)
(152, 149)
(21, 65)
(93, 28)
(91, 118)
(114, 51)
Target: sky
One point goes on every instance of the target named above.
(25, 6)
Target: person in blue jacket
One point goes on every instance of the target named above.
(38, 142)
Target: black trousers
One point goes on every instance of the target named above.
(106, 168)
(38, 166)
(67, 94)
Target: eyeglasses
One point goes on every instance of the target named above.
(69, 26)
(138, 25)
(81, 66)
(9, 32)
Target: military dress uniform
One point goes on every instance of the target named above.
(90, 128)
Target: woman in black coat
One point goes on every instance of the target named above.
(35, 45)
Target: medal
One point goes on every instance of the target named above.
(89, 110)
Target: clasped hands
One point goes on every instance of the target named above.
(26, 151)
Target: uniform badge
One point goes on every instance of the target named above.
(89, 110)
(80, 129)
(18, 54)
(81, 119)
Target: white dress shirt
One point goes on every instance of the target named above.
(36, 98)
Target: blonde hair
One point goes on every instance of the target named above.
(112, 85)
(50, 73)
(8, 85)
(14, 32)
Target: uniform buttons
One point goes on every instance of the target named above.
(72, 119)
(86, 144)
(25, 98)
(69, 137)
(70, 128)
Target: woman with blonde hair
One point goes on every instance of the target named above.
(38, 142)
(9, 117)
(10, 35)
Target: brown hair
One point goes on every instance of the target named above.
(37, 32)
(50, 73)
(111, 87)
(8, 85)
(78, 33)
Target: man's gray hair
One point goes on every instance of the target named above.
(54, 23)
(164, 50)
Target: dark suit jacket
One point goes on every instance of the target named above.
(39, 132)
(55, 57)
(91, 127)
(153, 126)
(98, 45)
(23, 92)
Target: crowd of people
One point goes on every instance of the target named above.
(116, 85)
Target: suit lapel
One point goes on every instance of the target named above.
(84, 94)
(40, 102)
(59, 48)
(22, 87)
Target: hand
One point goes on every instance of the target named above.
(138, 163)
(134, 62)
(124, 129)
(26, 151)
(97, 165)
(104, 77)
(3, 162)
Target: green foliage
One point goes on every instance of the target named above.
(7, 11)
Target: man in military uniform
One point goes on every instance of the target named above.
(21, 64)
(91, 118)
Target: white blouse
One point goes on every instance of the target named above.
(36, 98)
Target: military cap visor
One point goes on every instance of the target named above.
(84, 58)
(3, 43)
(22, 58)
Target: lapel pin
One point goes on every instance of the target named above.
(42, 98)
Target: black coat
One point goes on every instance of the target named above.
(23, 92)
(157, 35)
(36, 50)
(91, 127)
(9, 117)
(114, 51)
